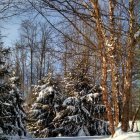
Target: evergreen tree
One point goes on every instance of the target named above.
(12, 116)
(82, 111)
(47, 99)
(79, 111)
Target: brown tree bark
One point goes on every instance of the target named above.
(128, 72)
(104, 63)
(134, 118)
(105, 96)
(113, 64)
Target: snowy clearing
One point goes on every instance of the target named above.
(125, 136)
(119, 135)
(75, 138)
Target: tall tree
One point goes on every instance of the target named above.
(12, 115)
(47, 97)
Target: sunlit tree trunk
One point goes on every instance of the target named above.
(104, 64)
(129, 66)
(105, 95)
(112, 61)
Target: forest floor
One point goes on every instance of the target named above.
(119, 135)
(125, 136)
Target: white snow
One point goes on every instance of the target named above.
(137, 34)
(56, 105)
(71, 108)
(89, 97)
(36, 112)
(81, 132)
(58, 116)
(124, 136)
(127, 136)
(1, 131)
(96, 95)
(92, 97)
(109, 70)
(71, 101)
(108, 44)
(71, 138)
(45, 91)
(74, 118)
(50, 89)
(7, 104)
(119, 135)
(13, 79)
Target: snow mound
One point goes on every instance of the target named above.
(127, 136)
(120, 135)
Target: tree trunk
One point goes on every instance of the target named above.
(115, 93)
(113, 64)
(127, 93)
(31, 78)
(102, 41)
(129, 66)
(134, 118)
(105, 95)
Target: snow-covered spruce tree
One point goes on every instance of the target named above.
(12, 116)
(43, 110)
(82, 112)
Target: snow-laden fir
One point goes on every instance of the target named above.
(12, 115)
(78, 110)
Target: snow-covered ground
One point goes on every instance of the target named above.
(76, 138)
(124, 136)
(128, 136)
(119, 135)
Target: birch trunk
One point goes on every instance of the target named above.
(101, 42)
(105, 95)
(113, 64)
(129, 66)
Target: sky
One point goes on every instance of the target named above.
(10, 31)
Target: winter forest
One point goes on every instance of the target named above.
(72, 72)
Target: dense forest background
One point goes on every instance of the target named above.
(93, 40)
